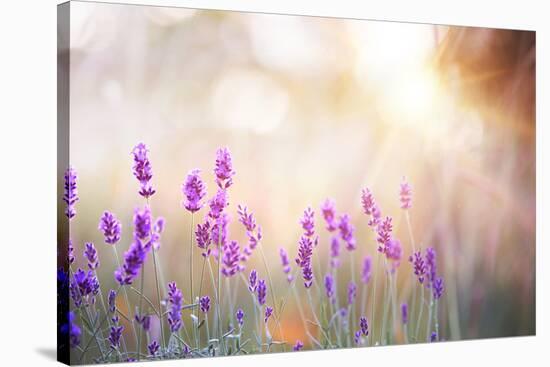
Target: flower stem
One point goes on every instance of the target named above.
(140, 310)
(373, 309)
(159, 300)
(419, 318)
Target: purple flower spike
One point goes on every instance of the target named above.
(364, 325)
(366, 270)
(433, 337)
(224, 168)
(329, 214)
(114, 336)
(111, 227)
(253, 281)
(286, 264)
(91, 254)
(70, 253)
(112, 301)
(384, 233)
(268, 313)
(308, 222)
(203, 238)
(240, 317)
(419, 266)
(70, 197)
(305, 251)
(230, 260)
(405, 194)
(334, 252)
(153, 348)
(346, 232)
(352, 291)
(142, 223)
(431, 267)
(175, 299)
(144, 321)
(298, 346)
(394, 251)
(133, 260)
(217, 204)
(404, 313)
(261, 291)
(72, 330)
(142, 170)
(253, 231)
(219, 232)
(329, 287)
(438, 288)
(357, 337)
(194, 191)
(204, 303)
(367, 200)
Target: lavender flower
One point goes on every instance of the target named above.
(346, 232)
(352, 291)
(204, 303)
(384, 234)
(158, 227)
(357, 337)
(134, 258)
(404, 313)
(142, 170)
(224, 168)
(91, 254)
(70, 253)
(334, 252)
(419, 266)
(219, 232)
(253, 281)
(298, 346)
(114, 336)
(70, 196)
(370, 208)
(144, 321)
(308, 222)
(438, 288)
(194, 191)
(253, 231)
(286, 264)
(305, 251)
(217, 204)
(366, 270)
(203, 238)
(111, 227)
(364, 326)
(230, 260)
(261, 291)
(112, 301)
(72, 330)
(329, 286)
(240, 317)
(175, 299)
(431, 267)
(246, 218)
(329, 214)
(433, 337)
(153, 348)
(405, 194)
(268, 313)
(394, 252)
(142, 223)
(85, 284)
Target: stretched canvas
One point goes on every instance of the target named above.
(234, 183)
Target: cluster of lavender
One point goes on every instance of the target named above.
(101, 331)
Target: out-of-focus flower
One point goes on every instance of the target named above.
(431, 266)
(438, 288)
(357, 337)
(405, 194)
(364, 326)
(70, 196)
(72, 330)
(352, 291)
(298, 346)
(70, 253)
(308, 222)
(223, 168)
(91, 254)
(261, 291)
(329, 287)
(175, 299)
(240, 317)
(334, 252)
(329, 214)
(268, 313)
(142, 170)
(370, 208)
(110, 226)
(217, 204)
(346, 231)
(404, 313)
(112, 301)
(253, 231)
(366, 270)
(194, 191)
(153, 348)
(286, 264)
(384, 231)
(133, 261)
(230, 260)
(433, 337)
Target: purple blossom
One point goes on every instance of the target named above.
(194, 191)
(261, 292)
(308, 222)
(114, 336)
(431, 267)
(111, 227)
(217, 204)
(419, 266)
(329, 214)
(70, 253)
(404, 313)
(204, 303)
(405, 194)
(352, 291)
(253, 281)
(438, 288)
(230, 259)
(142, 170)
(305, 251)
(370, 208)
(268, 313)
(329, 286)
(219, 233)
(364, 326)
(142, 223)
(346, 232)
(112, 301)
(144, 321)
(376, 217)
(253, 231)
(240, 317)
(158, 227)
(175, 300)
(357, 337)
(153, 348)
(298, 346)
(394, 251)
(134, 259)
(433, 337)
(72, 330)
(203, 238)
(84, 284)
(366, 271)
(91, 254)
(286, 264)
(334, 252)
(384, 233)
(246, 218)
(70, 196)
(224, 168)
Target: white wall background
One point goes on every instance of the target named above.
(28, 161)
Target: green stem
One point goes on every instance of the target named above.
(373, 309)
(419, 318)
(125, 294)
(159, 300)
(140, 308)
